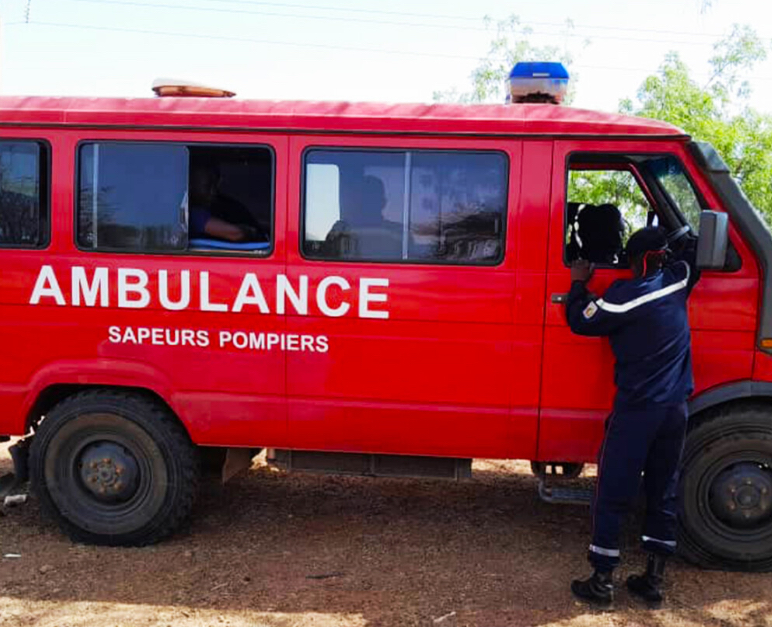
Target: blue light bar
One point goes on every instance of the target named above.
(538, 81)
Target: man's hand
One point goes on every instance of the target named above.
(581, 270)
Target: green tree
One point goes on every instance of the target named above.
(717, 111)
(509, 45)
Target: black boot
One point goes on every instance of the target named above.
(647, 585)
(597, 590)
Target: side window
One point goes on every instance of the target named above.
(605, 203)
(604, 207)
(23, 194)
(409, 206)
(148, 197)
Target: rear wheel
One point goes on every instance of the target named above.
(726, 490)
(114, 468)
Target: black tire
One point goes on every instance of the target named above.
(726, 490)
(114, 468)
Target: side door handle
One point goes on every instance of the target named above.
(559, 299)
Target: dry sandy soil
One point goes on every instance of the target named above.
(278, 550)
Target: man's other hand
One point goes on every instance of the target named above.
(581, 270)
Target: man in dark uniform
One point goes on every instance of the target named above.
(646, 321)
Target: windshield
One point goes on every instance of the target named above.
(674, 182)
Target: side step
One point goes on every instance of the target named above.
(566, 496)
(418, 467)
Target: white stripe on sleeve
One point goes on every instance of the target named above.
(646, 298)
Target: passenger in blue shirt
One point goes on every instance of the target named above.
(645, 318)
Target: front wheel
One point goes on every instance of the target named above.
(114, 468)
(726, 490)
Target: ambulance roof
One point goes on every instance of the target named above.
(331, 117)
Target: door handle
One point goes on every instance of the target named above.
(559, 299)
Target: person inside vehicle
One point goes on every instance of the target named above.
(599, 234)
(207, 206)
(645, 318)
(363, 232)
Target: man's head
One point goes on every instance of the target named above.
(204, 181)
(372, 201)
(646, 250)
(600, 231)
(373, 192)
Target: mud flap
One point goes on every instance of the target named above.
(236, 461)
(10, 483)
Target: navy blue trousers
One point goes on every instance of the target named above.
(648, 441)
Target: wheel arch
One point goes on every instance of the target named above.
(57, 392)
(58, 380)
(701, 406)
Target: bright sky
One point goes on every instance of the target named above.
(401, 50)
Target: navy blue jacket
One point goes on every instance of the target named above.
(646, 322)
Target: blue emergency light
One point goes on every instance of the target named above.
(537, 81)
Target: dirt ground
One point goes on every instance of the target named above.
(277, 550)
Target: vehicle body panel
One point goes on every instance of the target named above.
(472, 361)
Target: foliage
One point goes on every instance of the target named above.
(717, 111)
(509, 45)
(618, 187)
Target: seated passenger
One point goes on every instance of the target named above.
(600, 234)
(363, 232)
(206, 209)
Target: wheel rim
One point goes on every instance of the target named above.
(741, 496)
(736, 496)
(109, 471)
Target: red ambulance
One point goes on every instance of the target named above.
(365, 288)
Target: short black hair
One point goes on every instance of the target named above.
(650, 238)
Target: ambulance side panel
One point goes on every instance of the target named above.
(439, 376)
(223, 394)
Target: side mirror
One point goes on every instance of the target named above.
(713, 240)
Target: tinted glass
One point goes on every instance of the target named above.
(457, 207)
(133, 197)
(23, 206)
(405, 206)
